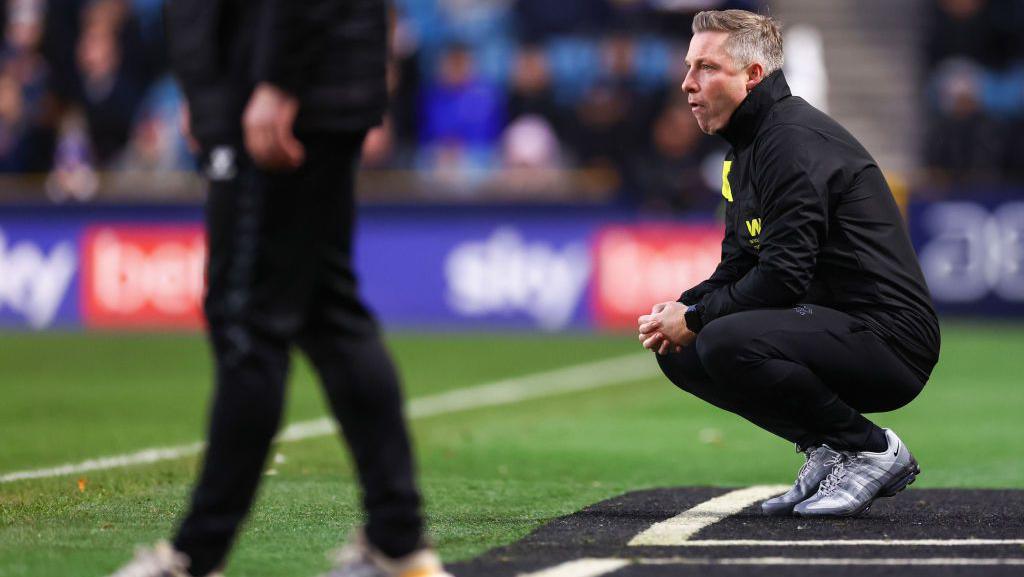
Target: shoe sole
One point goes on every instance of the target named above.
(889, 490)
(908, 478)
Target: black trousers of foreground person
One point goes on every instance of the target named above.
(806, 374)
(280, 274)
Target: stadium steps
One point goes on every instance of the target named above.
(872, 59)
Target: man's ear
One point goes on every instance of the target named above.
(755, 74)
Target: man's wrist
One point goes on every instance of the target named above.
(694, 320)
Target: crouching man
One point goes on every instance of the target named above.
(818, 311)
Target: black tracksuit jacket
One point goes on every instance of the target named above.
(810, 219)
(331, 54)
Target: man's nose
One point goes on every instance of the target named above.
(689, 84)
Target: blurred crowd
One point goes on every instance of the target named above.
(490, 98)
(550, 90)
(83, 89)
(537, 95)
(974, 59)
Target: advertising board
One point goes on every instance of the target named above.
(39, 266)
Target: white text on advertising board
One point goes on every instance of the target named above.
(504, 274)
(33, 283)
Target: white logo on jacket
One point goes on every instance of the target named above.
(222, 164)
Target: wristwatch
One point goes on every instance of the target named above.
(694, 322)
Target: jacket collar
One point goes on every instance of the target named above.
(752, 111)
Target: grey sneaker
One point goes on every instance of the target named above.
(360, 559)
(860, 478)
(820, 460)
(160, 560)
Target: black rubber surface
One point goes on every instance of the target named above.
(604, 529)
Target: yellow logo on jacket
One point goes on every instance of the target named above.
(754, 226)
(726, 189)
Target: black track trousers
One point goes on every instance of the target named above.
(805, 373)
(280, 274)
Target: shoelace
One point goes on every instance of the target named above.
(807, 464)
(835, 476)
(803, 470)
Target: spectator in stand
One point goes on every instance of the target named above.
(530, 91)
(968, 29)
(26, 136)
(101, 63)
(974, 53)
(23, 25)
(963, 142)
(601, 134)
(530, 148)
(73, 176)
(157, 145)
(620, 57)
(668, 173)
(461, 113)
(540, 20)
(112, 78)
(393, 143)
(613, 116)
(26, 113)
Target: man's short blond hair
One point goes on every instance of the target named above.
(752, 37)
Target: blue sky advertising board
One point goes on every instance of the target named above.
(39, 266)
(514, 273)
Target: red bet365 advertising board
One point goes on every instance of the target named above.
(639, 265)
(143, 276)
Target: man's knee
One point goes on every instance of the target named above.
(239, 339)
(683, 369)
(725, 345)
(251, 371)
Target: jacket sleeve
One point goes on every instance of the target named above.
(287, 40)
(733, 265)
(792, 172)
(194, 54)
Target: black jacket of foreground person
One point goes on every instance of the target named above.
(810, 219)
(331, 54)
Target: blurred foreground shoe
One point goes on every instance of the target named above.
(820, 460)
(860, 478)
(360, 559)
(160, 560)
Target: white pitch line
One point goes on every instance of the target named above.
(582, 377)
(891, 561)
(113, 462)
(581, 568)
(850, 543)
(595, 567)
(679, 529)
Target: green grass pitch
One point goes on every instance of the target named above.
(489, 475)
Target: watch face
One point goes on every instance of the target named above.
(692, 317)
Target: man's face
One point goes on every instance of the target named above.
(714, 85)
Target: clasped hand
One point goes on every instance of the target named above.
(665, 330)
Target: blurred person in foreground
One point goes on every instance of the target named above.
(281, 94)
(818, 311)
